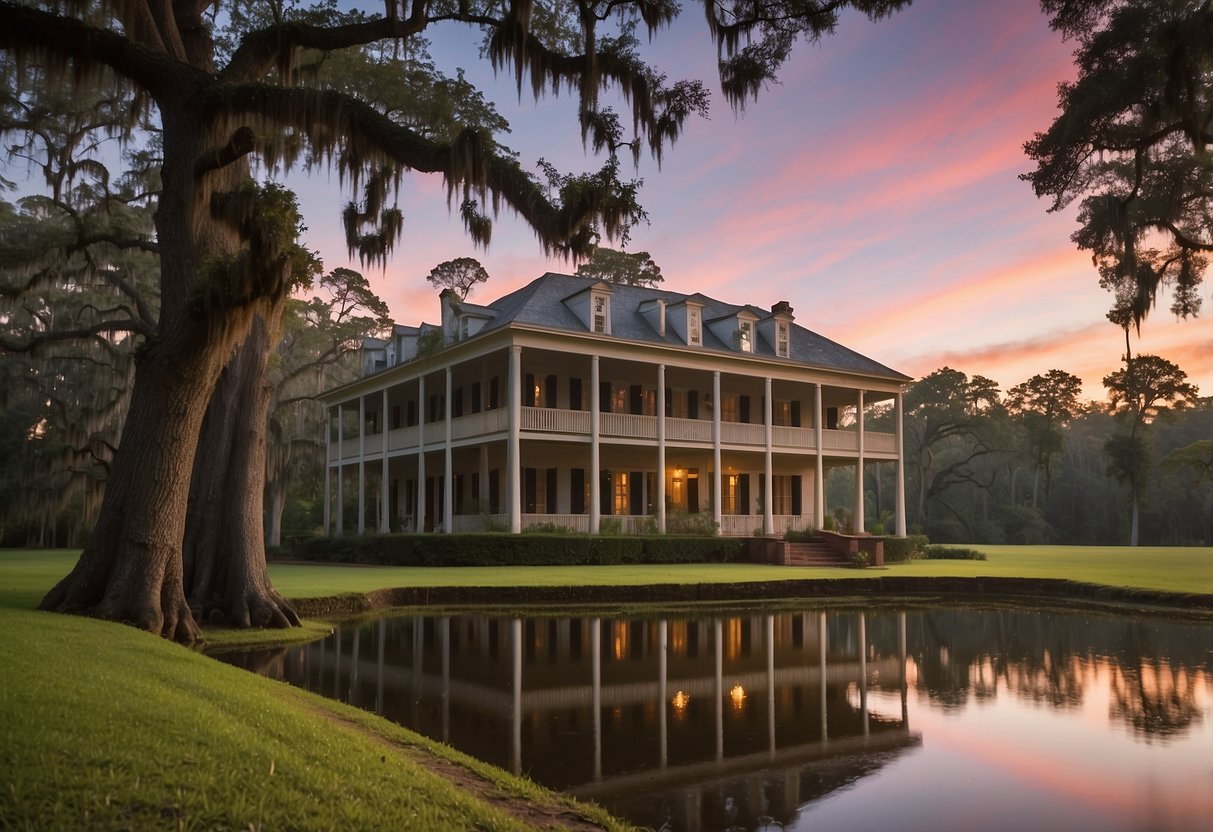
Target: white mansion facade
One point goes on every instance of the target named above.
(581, 403)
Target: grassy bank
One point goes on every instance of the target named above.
(105, 727)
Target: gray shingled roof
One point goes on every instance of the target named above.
(541, 303)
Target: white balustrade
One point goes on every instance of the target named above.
(688, 430)
(741, 433)
(555, 420)
(374, 444)
(402, 438)
(579, 523)
(840, 440)
(786, 437)
(790, 522)
(480, 424)
(739, 525)
(628, 425)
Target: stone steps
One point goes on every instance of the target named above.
(812, 554)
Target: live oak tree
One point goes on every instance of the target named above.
(1131, 144)
(460, 275)
(633, 268)
(1044, 405)
(1145, 387)
(227, 246)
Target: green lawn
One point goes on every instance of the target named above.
(26, 575)
(1187, 570)
(105, 727)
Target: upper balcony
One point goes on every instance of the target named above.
(540, 422)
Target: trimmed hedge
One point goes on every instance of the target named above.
(496, 549)
(901, 549)
(938, 552)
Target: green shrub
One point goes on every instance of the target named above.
(937, 552)
(610, 525)
(488, 549)
(548, 528)
(799, 535)
(699, 524)
(900, 549)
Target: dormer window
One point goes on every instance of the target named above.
(782, 333)
(745, 336)
(463, 329)
(694, 328)
(602, 314)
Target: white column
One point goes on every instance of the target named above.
(661, 448)
(448, 480)
(663, 688)
(768, 515)
(822, 648)
(328, 471)
(595, 425)
(717, 495)
(819, 478)
(340, 471)
(771, 683)
(859, 524)
(420, 453)
(596, 692)
(385, 491)
(513, 463)
(719, 690)
(863, 672)
(361, 464)
(901, 467)
(516, 702)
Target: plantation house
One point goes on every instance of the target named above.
(603, 407)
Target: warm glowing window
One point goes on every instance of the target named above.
(781, 495)
(649, 403)
(619, 399)
(621, 493)
(732, 495)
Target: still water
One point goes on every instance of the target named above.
(924, 718)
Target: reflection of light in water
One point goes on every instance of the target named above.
(680, 702)
(737, 694)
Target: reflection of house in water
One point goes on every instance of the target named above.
(709, 722)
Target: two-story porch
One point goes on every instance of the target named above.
(533, 427)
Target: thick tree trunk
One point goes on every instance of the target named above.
(275, 503)
(226, 579)
(131, 569)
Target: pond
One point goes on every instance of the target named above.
(838, 718)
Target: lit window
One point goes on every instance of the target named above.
(694, 334)
(781, 339)
(745, 336)
(621, 493)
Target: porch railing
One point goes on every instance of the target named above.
(553, 420)
(478, 424)
(628, 425)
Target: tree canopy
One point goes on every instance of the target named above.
(636, 268)
(460, 275)
(1131, 144)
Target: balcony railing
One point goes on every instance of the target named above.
(617, 425)
(628, 425)
(485, 422)
(552, 420)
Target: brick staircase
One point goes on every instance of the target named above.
(812, 554)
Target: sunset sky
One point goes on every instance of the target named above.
(876, 189)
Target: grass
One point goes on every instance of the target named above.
(105, 727)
